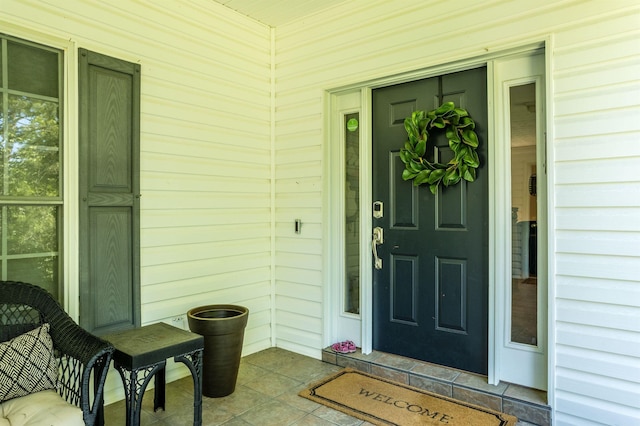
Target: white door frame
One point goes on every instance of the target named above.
(339, 325)
(334, 207)
(516, 362)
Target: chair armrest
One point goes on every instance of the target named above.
(84, 357)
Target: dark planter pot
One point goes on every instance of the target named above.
(223, 329)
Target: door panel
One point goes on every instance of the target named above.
(404, 198)
(451, 294)
(430, 299)
(404, 289)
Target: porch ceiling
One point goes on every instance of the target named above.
(278, 12)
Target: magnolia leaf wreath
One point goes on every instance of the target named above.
(463, 141)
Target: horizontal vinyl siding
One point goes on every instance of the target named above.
(597, 150)
(206, 158)
(595, 180)
(205, 148)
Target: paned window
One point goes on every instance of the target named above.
(30, 163)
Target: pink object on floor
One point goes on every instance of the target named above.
(345, 347)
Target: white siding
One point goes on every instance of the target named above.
(205, 146)
(207, 163)
(597, 286)
(595, 93)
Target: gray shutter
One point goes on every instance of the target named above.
(109, 188)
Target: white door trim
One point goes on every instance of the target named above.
(343, 325)
(333, 215)
(515, 362)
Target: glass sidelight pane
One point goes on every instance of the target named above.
(524, 295)
(352, 213)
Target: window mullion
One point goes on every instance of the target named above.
(5, 136)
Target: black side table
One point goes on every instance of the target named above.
(142, 353)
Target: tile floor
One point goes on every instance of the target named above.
(266, 394)
(529, 405)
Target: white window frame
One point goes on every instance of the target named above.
(69, 276)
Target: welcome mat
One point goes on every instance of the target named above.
(383, 402)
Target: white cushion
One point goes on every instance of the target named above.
(44, 408)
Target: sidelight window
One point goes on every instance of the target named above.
(352, 213)
(524, 212)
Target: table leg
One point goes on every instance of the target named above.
(159, 382)
(134, 388)
(193, 361)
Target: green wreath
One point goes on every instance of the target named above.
(463, 141)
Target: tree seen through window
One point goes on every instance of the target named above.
(30, 170)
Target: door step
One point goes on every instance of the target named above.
(529, 405)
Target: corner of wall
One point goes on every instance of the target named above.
(272, 126)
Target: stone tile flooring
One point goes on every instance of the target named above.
(529, 405)
(267, 393)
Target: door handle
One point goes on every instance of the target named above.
(378, 238)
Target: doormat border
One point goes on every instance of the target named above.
(310, 393)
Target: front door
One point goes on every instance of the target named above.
(430, 297)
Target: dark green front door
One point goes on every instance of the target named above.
(430, 297)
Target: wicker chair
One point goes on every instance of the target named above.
(83, 359)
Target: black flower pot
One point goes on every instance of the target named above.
(223, 329)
